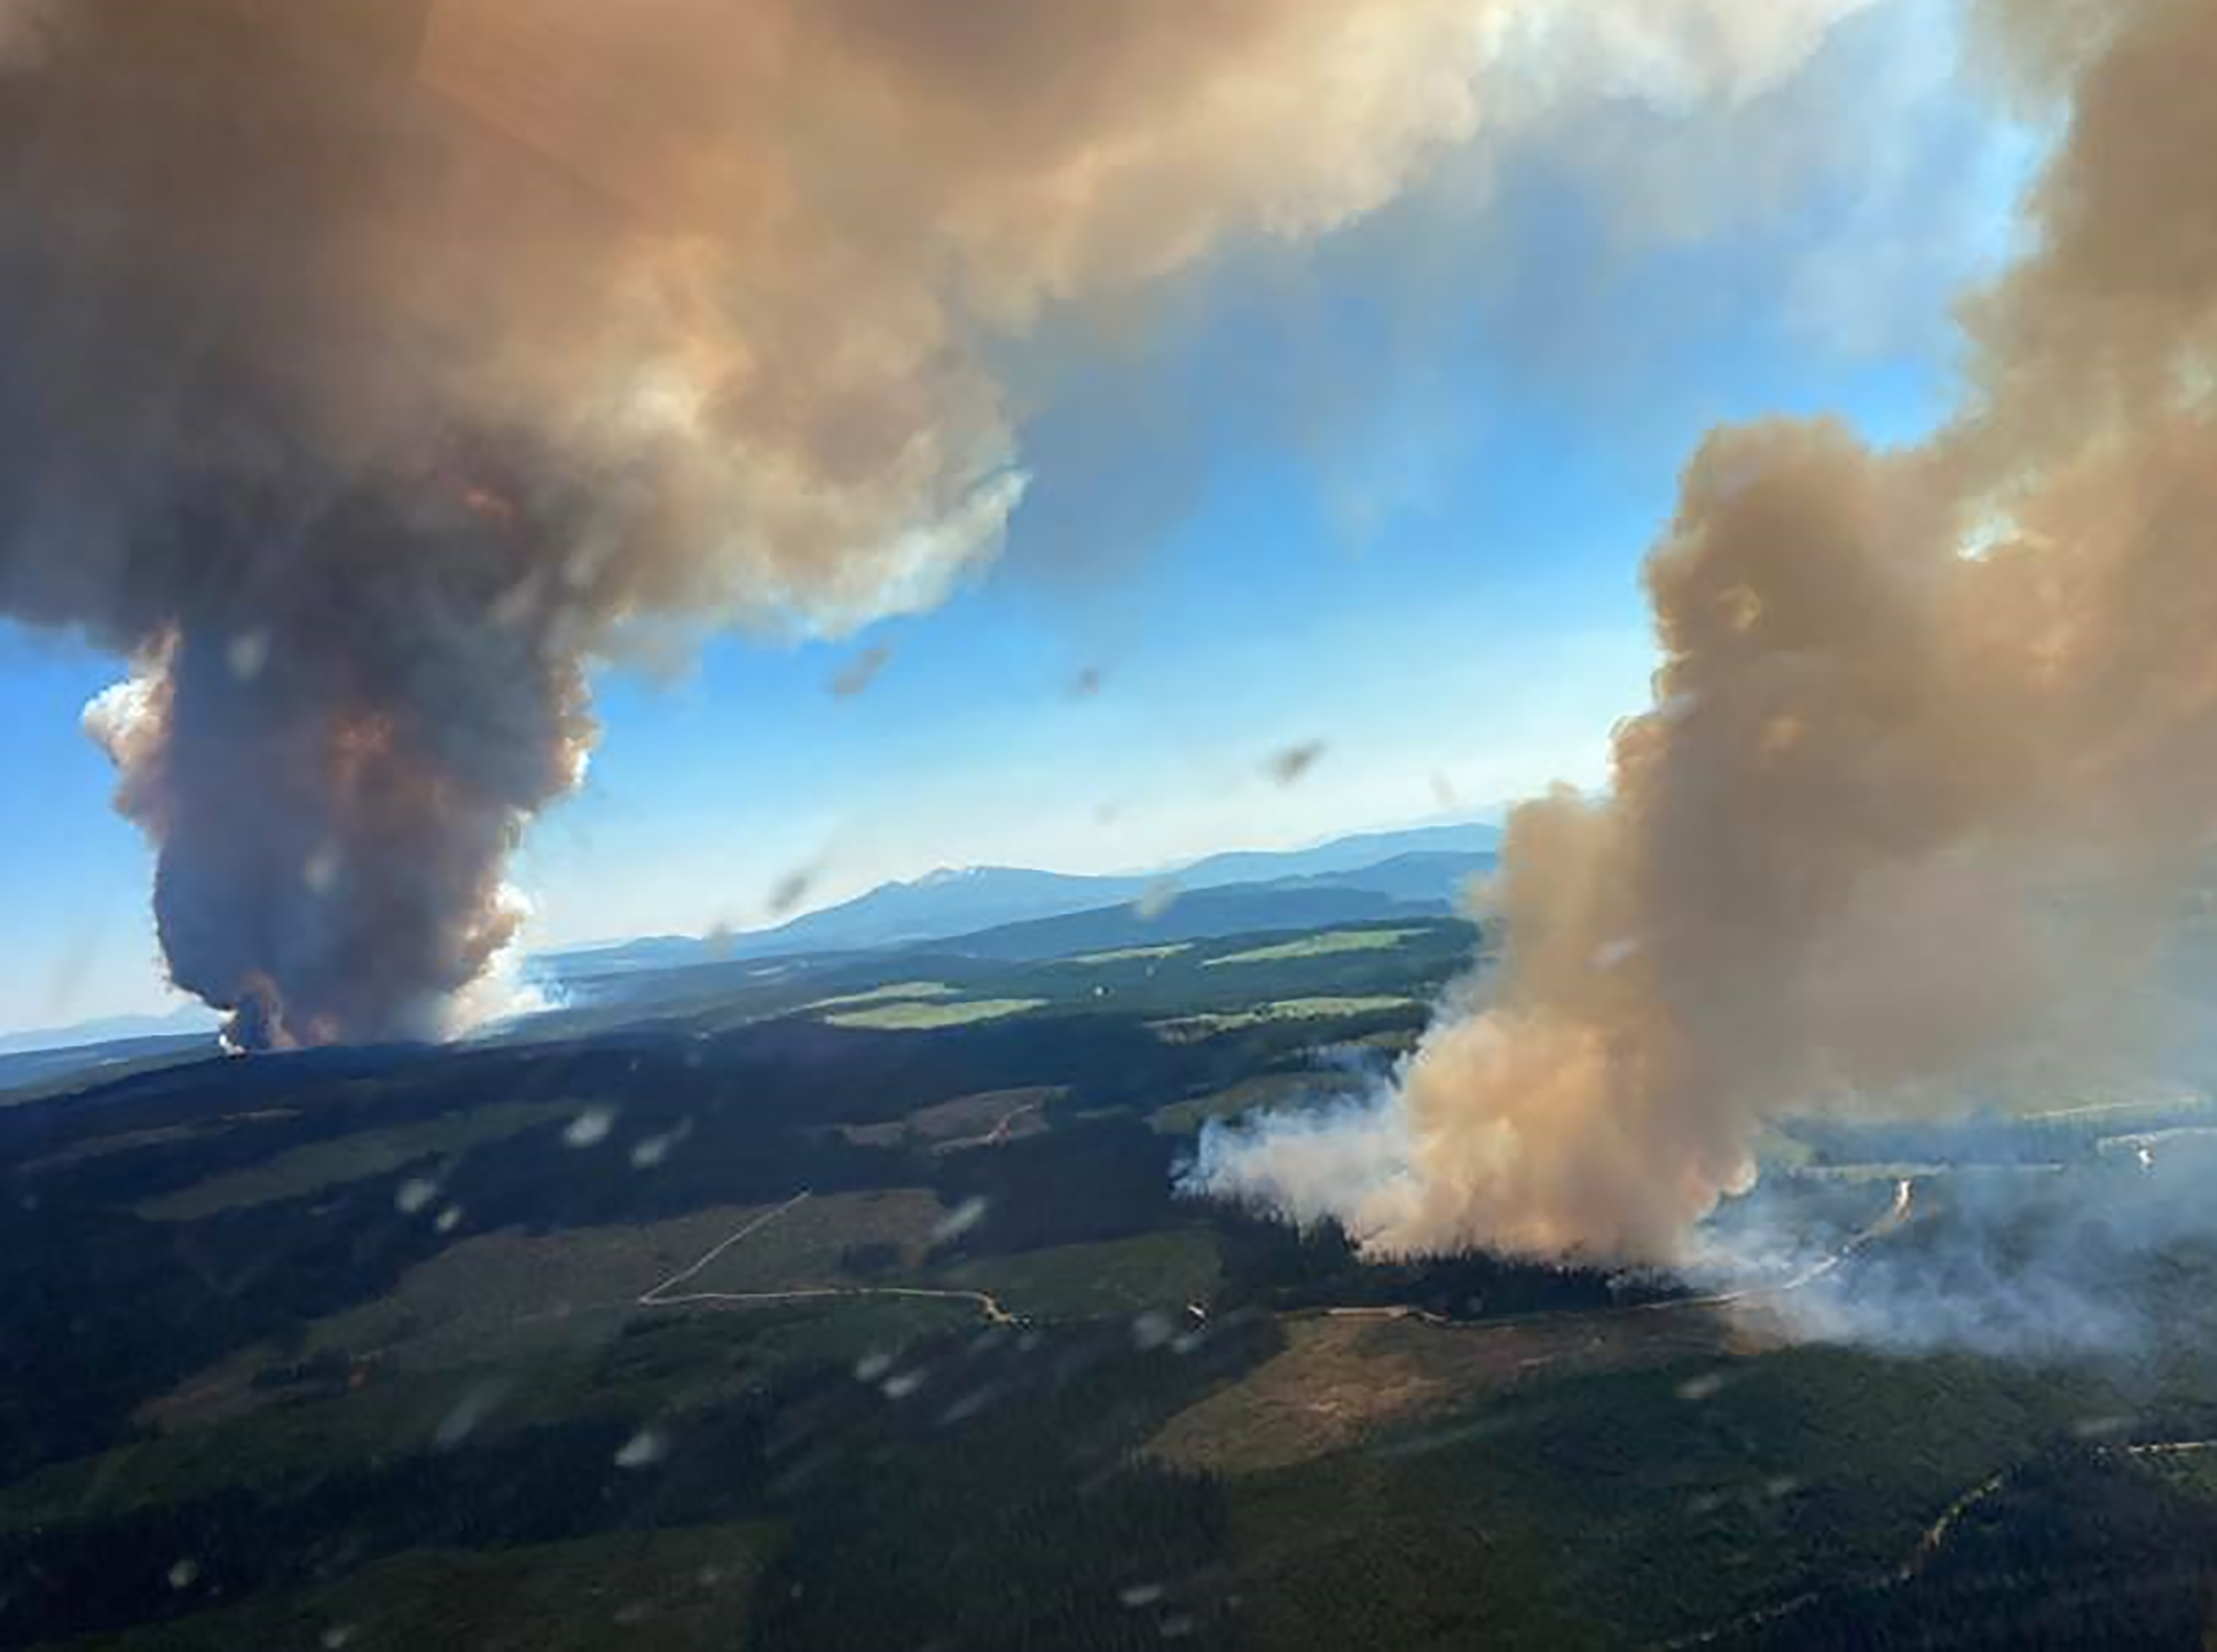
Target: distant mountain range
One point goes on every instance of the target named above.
(1407, 887)
(1010, 913)
(110, 1029)
(1016, 912)
(22, 1070)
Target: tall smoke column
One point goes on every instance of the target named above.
(374, 365)
(1934, 747)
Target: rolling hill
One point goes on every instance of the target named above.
(1374, 874)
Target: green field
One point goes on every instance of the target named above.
(892, 990)
(923, 1017)
(1131, 954)
(1328, 943)
(1282, 1009)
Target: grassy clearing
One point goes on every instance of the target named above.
(991, 1115)
(1325, 944)
(1184, 1029)
(896, 991)
(984, 1119)
(810, 1245)
(910, 1017)
(1131, 954)
(1162, 1271)
(1347, 1377)
(319, 1165)
(680, 1589)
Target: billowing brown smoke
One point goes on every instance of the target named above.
(1933, 751)
(374, 365)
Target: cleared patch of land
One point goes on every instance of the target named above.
(1349, 1376)
(816, 1244)
(1323, 944)
(319, 1165)
(912, 1017)
(1162, 1271)
(863, 1268)
(1131, 954)
(1182, 1028)
(895, 991)
(1348, 1373)
(987, 1118)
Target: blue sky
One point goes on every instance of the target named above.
(1390, 493)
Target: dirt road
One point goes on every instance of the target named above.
(658, 1296)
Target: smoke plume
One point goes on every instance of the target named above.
(1933, 753)
(376, 365)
